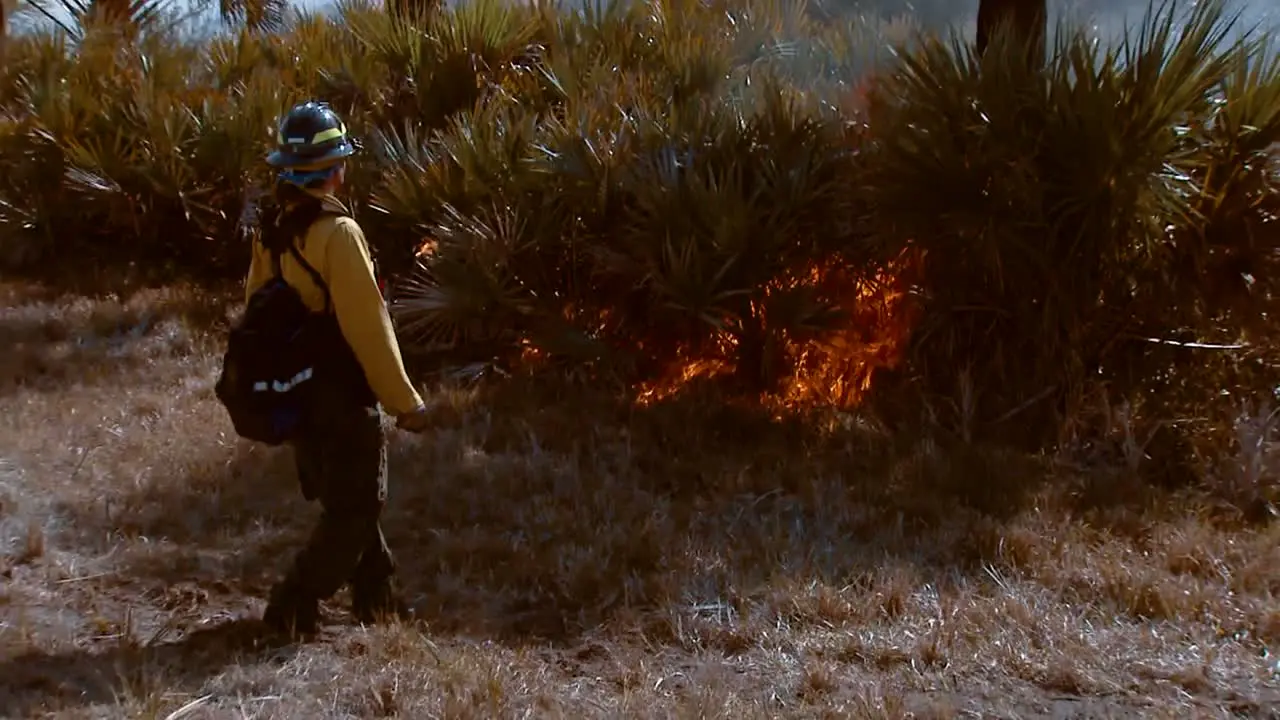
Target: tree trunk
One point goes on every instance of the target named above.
(412, 10)
(1027, 19)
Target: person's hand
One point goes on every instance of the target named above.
(415, 421)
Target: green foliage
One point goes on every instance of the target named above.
(633, 197)
(1071, 216)
(127, 150)
(622, 186)
(632, 181)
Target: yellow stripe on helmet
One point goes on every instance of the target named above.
(329, 134)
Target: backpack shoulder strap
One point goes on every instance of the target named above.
(276, 271)
(292, 225)
(313, 273)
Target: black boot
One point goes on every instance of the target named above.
(377, 601)
(289, 612)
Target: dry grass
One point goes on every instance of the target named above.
(573, 557)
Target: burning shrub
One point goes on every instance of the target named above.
(631, 186)
(656, 190)
(661, 204)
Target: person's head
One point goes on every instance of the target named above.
(312, 147)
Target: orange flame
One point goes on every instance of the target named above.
(833, 369)
(837, 368)
(427, 248)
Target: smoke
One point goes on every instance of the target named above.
(1107, 19)
(1111, 16)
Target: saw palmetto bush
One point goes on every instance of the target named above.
(1104, 225)
(129, 141)
(641, 188)
(631, 184)
(124, 148)
(657, 192)
(625, 228)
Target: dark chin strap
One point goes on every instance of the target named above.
(307, 179)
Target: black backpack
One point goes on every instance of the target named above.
(280, 354)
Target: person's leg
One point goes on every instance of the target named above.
(342, 460)
(376, 562)
(373, 593)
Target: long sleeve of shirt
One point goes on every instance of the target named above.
(362, 316)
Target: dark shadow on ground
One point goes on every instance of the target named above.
(632, 493)
(543, 512)
(55, 340)
(37, 682)
(233, 521)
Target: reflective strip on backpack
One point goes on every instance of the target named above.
(286, 386)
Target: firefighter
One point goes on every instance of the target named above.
(340, 448)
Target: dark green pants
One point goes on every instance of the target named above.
(342, 462)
